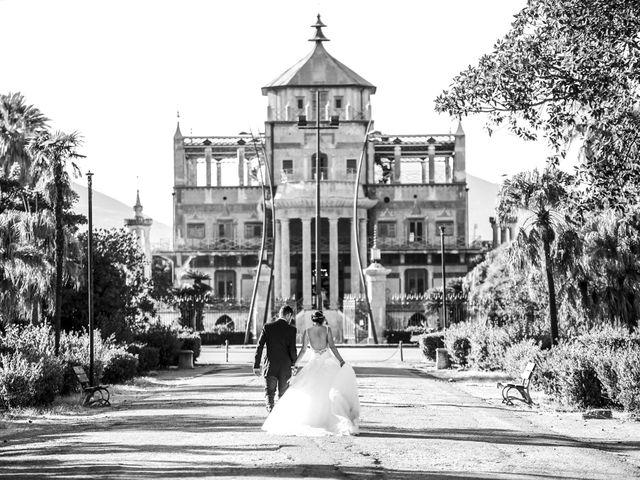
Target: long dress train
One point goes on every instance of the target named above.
(321, 400)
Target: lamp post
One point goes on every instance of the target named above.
(444, 278)
(334, 122)
(90, 274)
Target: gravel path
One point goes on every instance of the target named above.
(207, 424)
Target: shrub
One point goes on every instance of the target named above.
(396, 336)
(628, 376)
(457, 340)
(488, 345)
(17, 379)
(25, 382)
(148, 357)
(429, 342)
(74, 351)
(190, 341)
(121, 367)
(518, 355)
(35, 345)
(568, 373)
(164, 338)
(218, 338)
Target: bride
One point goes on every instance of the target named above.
(322, 399)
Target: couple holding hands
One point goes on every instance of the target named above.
(322, 398)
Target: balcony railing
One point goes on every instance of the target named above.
(224, 244)
(419, 244)
(291, 114)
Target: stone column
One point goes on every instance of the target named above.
(241, 166)
(363, 240)
(333, 264)
(423, 164)
(277, 273)
(219, 173)
(432, 167)
(207, 159)
(494, 231)
(447, 170)
(306, 264)
(285, 265)
(454, 168)
(376, 276)
(261, 296)
(355, 275)
(397, 163)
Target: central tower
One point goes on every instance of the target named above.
(343, 94)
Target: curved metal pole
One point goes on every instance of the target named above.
(260, 257)
(273, 229)
(356, 233)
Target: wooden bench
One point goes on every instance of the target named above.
(522, 388)
(91, 396)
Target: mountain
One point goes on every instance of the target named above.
(110, 213)
(482, 202)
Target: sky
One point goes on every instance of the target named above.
(117, 72)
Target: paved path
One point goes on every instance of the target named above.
(413, 427)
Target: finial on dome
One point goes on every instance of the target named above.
(178, 132)
(138, 206)
(319, 37)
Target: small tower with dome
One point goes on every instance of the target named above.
(140, 225)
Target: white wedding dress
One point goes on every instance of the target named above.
(321, 400)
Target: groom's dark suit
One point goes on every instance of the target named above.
(280, 340)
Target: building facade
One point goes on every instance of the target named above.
(409, 187)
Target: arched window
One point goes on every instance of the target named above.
(226, 321)
(416, 320)
(324, 166)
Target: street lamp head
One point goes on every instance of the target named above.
(302, 121)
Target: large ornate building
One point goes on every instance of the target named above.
(409, 187)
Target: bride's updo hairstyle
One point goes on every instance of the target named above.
(318, 318)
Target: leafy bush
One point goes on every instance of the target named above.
(396, 336)
(568, 373)
(218, 337)
(518, 355)
(488, 345)
(164, 338)
(31, 349)
(429, 342)
(148, 357)
(121, 367)
(74, 351)
(25, 382)
(628, 376)
(190, 341)
(457, 340)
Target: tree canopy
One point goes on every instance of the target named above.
(567, 70)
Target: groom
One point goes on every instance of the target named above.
(280, 339)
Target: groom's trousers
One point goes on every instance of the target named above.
(272, 383)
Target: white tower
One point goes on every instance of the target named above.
(141, 226)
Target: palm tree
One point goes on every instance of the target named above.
(24, 232)
(25, 268)
(538, 197)
(190, 299)
(19, 123)
(612, 249)
(52, 154)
